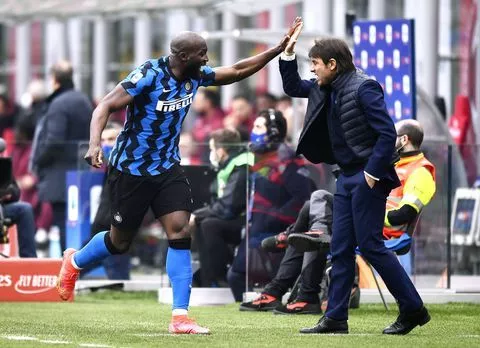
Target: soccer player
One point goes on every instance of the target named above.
(144, 164)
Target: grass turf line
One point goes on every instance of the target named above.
(136, 320)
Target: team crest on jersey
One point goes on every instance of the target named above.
(117, 217)
(174, 105)
(188, 86)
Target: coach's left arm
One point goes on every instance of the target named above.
(226, 75)
(370, 96)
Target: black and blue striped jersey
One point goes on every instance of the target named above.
(148, 143)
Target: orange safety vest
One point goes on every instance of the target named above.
(405, 167)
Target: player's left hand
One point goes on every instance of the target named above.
(94, 156)
(286, 39)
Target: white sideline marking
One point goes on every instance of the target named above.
(28, 338)
(55, 342)
(469, 336)
(20, 338)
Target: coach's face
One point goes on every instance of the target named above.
(196, 58)
(325, 72)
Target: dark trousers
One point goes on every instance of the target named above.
(21, 214)
(214, 238)
(59, 210)
(359, 212)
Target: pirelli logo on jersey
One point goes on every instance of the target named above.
(174, 105)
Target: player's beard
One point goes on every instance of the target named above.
(193, 70)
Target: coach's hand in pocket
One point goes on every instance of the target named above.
(370, 182)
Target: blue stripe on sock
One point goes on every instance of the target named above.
(179, 270)
(94, 251)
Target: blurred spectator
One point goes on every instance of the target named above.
(55, 148)
(21, 214)
(26, 180)
(33, 101)
(9, 115)
(240, 117)
(6, 116)
(280, 184)
(265, 101)
(187, 147)
(219, 225)
(285, 106)
(209, 117)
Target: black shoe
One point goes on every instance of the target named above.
(263, 303)
(327, 326)
(275, 243)
(309, 241)
(298, 307)
(407, 322)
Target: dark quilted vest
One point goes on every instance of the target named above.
(359, 136)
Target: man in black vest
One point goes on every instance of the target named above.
(347, 123)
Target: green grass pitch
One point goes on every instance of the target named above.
(115, 319)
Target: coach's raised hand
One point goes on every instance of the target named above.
(293, 31)
(290, 46)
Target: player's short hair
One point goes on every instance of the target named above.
(226, 138)
(62, 72)
(337, 49)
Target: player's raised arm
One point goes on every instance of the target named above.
(246, 67)
(117, 99)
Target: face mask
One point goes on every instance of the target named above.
(259, 142)
(399, 149)
(107, 150)
(214, 160)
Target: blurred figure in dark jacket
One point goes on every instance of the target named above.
(279, 186)
(220, 223)
(57, 135)
(19, 213)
